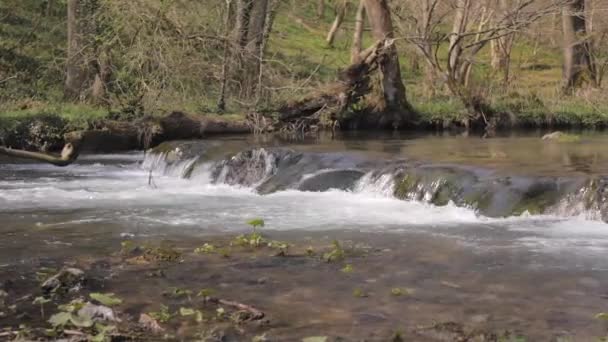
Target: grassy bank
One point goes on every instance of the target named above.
(299, 61)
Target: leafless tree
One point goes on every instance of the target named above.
(471, 32)
(394, 99)
(358, 32)
(335, 26)
(578, 64)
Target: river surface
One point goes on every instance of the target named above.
(89, 207)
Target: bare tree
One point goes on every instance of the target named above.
(578, 66)
(320, 9)
(394, 99)
(221, 102)
(501, 47)
(470, 33)
(335, 26)
(76, 65)
(358, 32)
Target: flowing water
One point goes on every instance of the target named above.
(348, 188)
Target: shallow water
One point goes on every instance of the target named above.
(89, 207)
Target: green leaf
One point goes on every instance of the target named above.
(73, 306)
(60, 319)
(186, 311)
(205, 292)
(81, 322)
(107, 299)
(315, 339)
(163, 315)
(401, 291)
(255, 223)
(602, 315)
(347, 269)
(199, 316)
(40, 300)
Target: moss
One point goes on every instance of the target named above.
(537, 199)
(406, 185)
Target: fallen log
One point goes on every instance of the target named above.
(326, 106)
(68, 155)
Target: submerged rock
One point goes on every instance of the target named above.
(68, 279)
(98, 313)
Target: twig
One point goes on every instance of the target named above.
(257, 314)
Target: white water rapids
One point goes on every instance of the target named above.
(114, 189)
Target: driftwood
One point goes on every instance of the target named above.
(327, 105)
(68, 155)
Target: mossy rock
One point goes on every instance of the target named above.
(43, 132)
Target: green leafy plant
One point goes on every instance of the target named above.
(205, 249)
(163, 315)
(347, 269)
(205, 292)
(359, 293)
(255, 223)
(107, 299)
(253, 239)
(336, 254)
(41, 301)
(177, 292)
(400, 291)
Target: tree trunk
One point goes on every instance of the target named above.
(358, 32)
(321, 9)
(76, 66)
(395, 100)
(241, 27)
(461, 19)
(501, 47)
(270, 15)
(340, 13)
(578, 67)
(50, 4)
(221, 102)
(255, 38)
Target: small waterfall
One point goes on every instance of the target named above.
(589, 202)
(168, 164)
(269, 170)
(383, 184)
(248, 168)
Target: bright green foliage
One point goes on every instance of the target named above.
(336, 254)
(205, 293)
(602, 315)
(163, 315)
(347, 269)
(107, 299)
(256, 223)
(400, 291)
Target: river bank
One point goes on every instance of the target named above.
(50, 129)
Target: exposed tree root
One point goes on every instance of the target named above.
(326, 106)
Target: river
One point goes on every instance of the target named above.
(543, 273)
